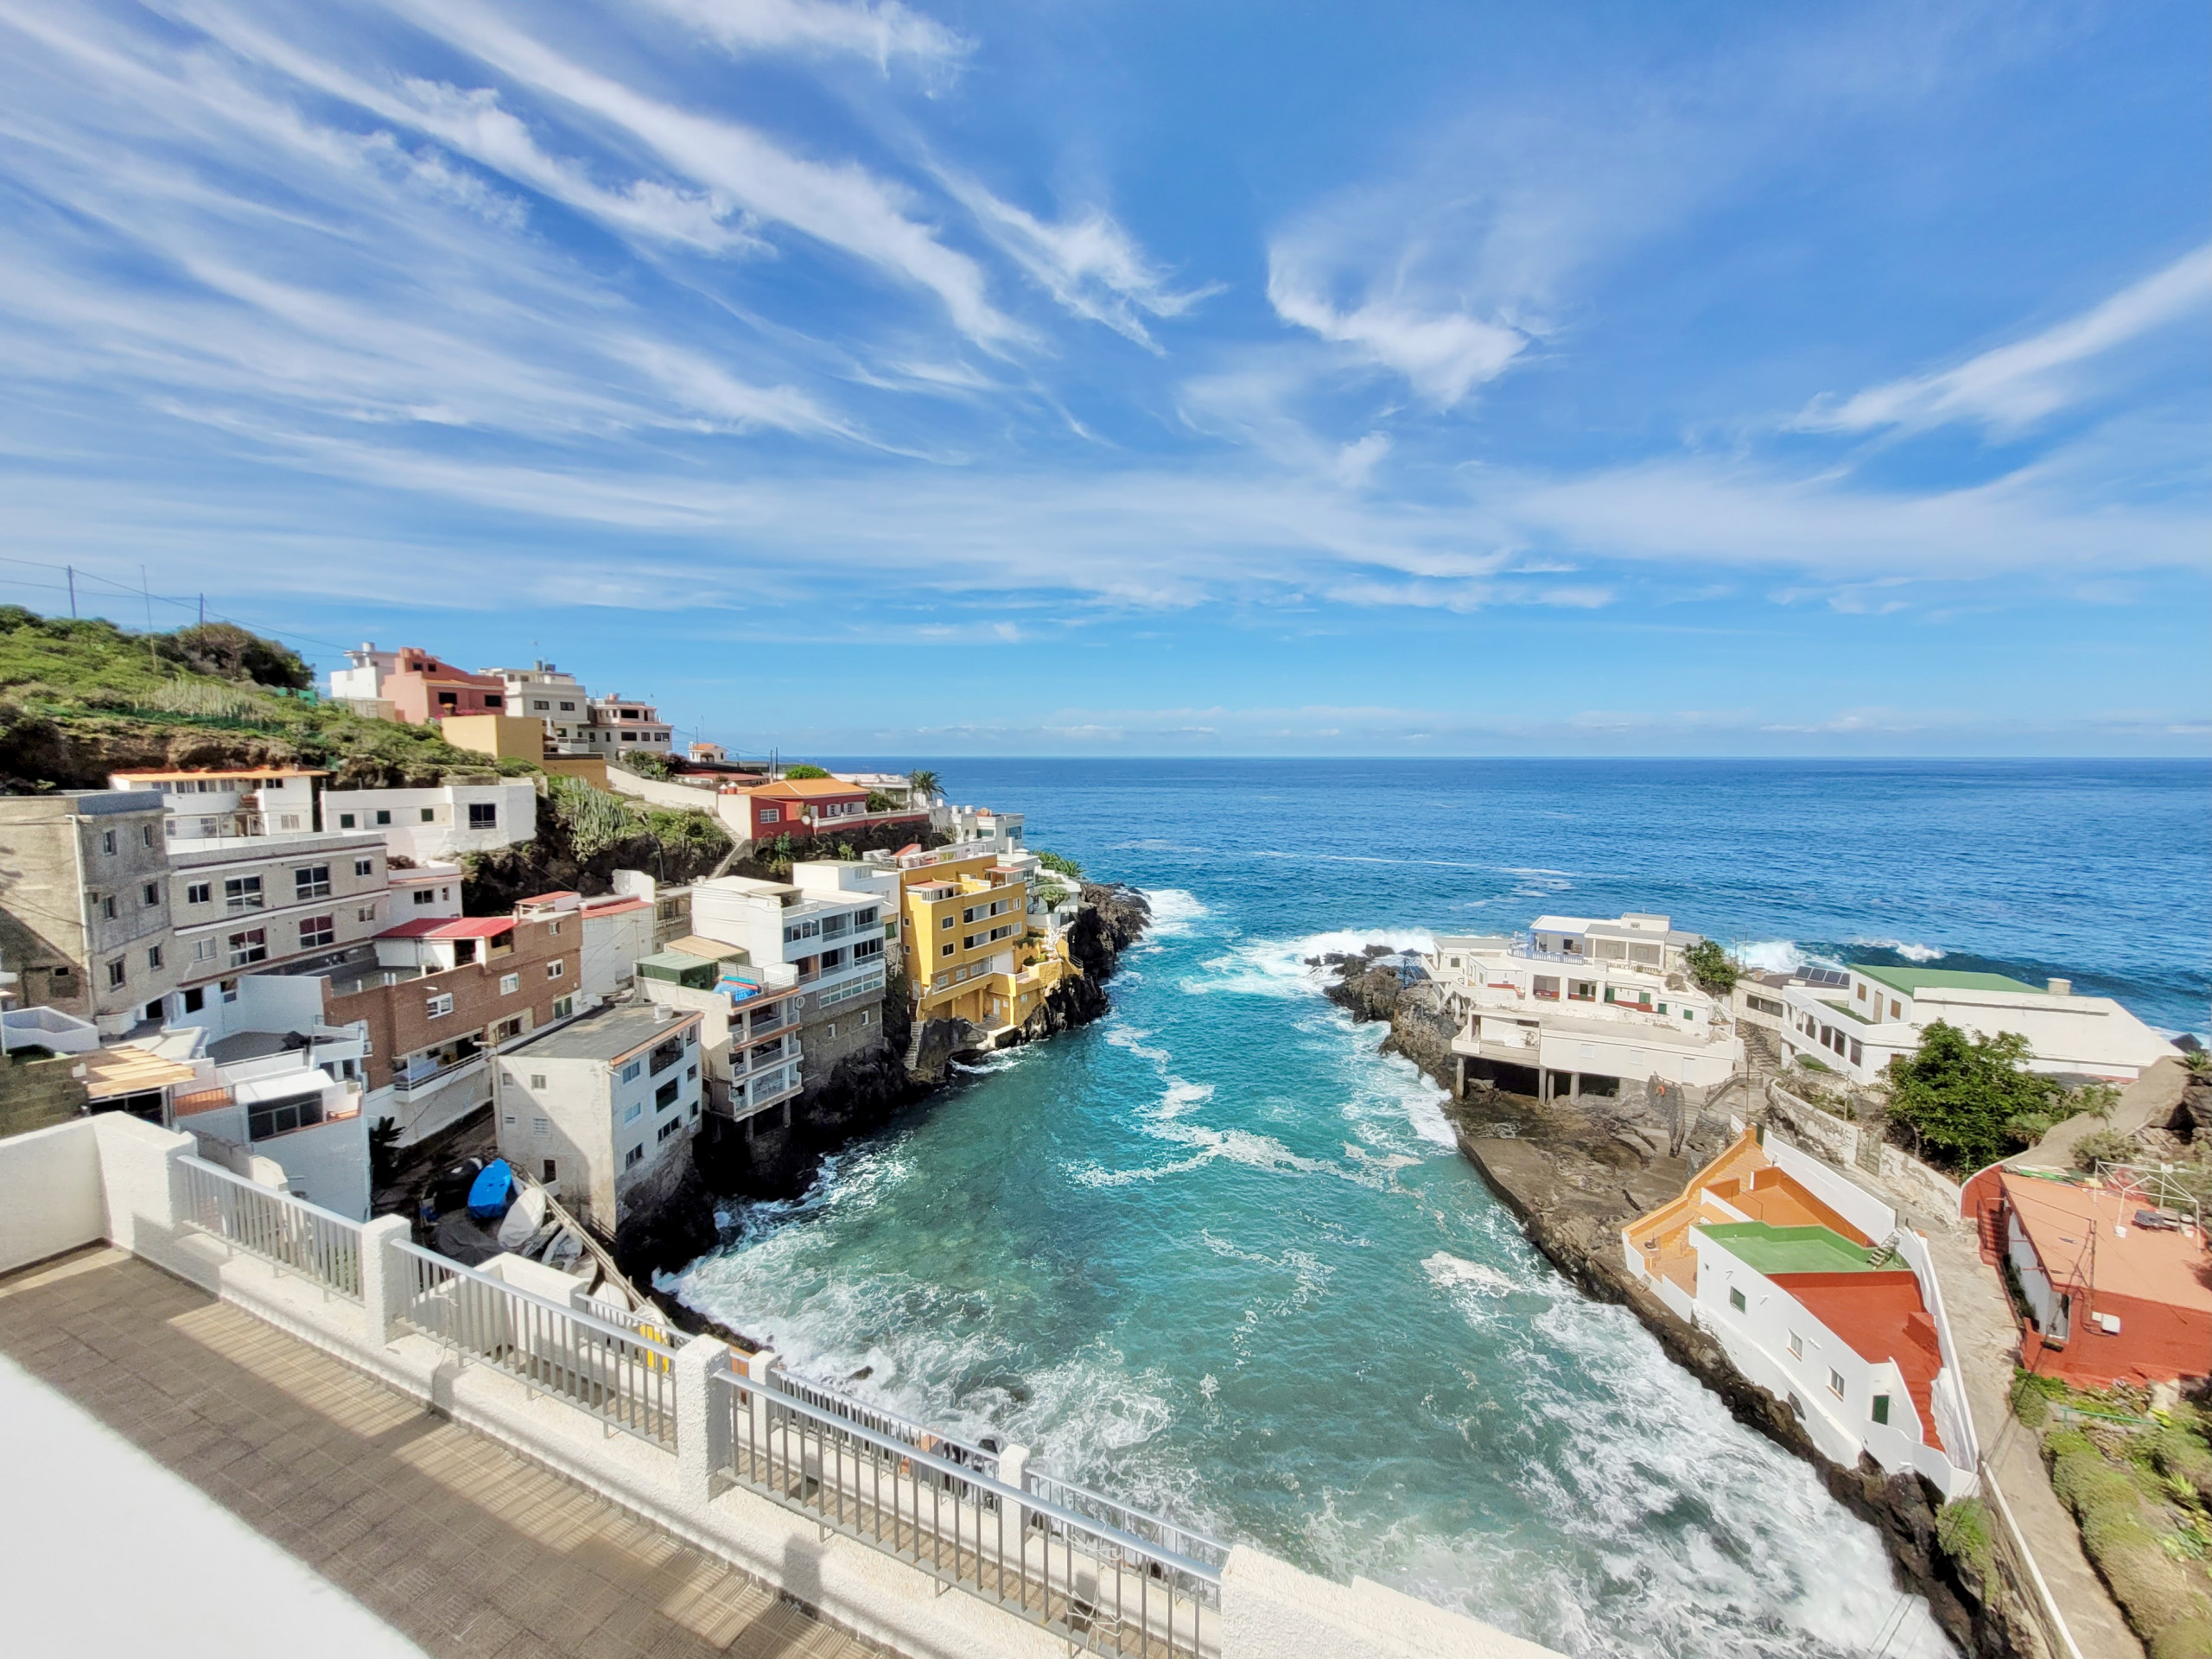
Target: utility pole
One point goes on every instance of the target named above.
(72, 591)
(203, 610)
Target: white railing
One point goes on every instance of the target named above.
(290, 1233)
(984, 1461)
(1121, 1519)
(623, 1377)
(1104, 1591)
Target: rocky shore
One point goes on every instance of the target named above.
(1574, 1175)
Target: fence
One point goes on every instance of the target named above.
(1120, 1517)
(1105, 1590)
(625, 1378)
(288, 1232)
(984, 1460)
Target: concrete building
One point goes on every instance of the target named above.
(750, 1026)
(973, 950)
(615, 929)
(444, 822)
(2119, 1287)
(230, 806)
(85, 914)
(1580, 1004)
(421, 688)
(830, 934)
(1819, 1298)
(543, 693)
(622, 726)
(606, 1106)
(1858, 1027)
(360, 684)
(424, 892)
(249, 906)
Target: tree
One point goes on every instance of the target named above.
(1710, 967)
(804, 771)
(648, 763)
(1959, 1096)
(923, 782)
(230, 652)
(1060, 865)
(879, 802)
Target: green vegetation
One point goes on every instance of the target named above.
(879, 802)
(923, 782)
(2107, 1146)
(1962, 1529)
(1051, 896)
(648, 763)
(1060, 865)
(596, 822)
(803, 770)
(1710, 968)
(81, 699)
(1969, 1102)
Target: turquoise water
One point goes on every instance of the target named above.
(1217, 1256)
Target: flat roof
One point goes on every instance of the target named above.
(807, 788)
(1912, 981)
(701, 949)
(451, 927)
(126, 1070)
(606, 1033)
(1773, 1250)
(153, 777)
(2060, 1217)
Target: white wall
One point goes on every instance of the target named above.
(612, 945)
(448, 835)
(50, 1194)
(1855, 1204)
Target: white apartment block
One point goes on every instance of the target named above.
(616, 928)
(1579, 1002)
(543, 692)
(426, 891)
(827, 924)
(749, 1032)
(248, 905)
(1858, 1025)
(239, 804)
(428, 825)
(604, 1106)
(622, 726)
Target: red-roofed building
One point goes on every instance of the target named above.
(422, 688)
(2119, 1290)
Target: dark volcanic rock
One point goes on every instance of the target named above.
(1111, 920)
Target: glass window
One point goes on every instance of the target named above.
(1796, 1346)
(346, 820)
(250, 946)
(1835, 1383)
(429, 814)
(509, 983)
(1736, 1300)
(242, 893)
(439, 1006)
(312, 880)
(556, 968)
(317, 930)
(365, 866)
(634, 1156)
(424, 896)
(636, 1111)
(632, 1071)
(382, 818)
(199, 893)
(483, 815)
(115, 973)
(1881, 1408)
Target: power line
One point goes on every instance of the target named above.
(123, 589)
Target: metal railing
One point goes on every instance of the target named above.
(1165, 1534)
(625, 1378)
(1103, 1590)
(288, 1232)
(890, 1423)
(406, 1084)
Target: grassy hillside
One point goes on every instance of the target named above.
(81, 699)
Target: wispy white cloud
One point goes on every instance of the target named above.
(881, 30)
(2014, 385)
(1443, 354)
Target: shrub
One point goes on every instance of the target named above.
(1710, 967)
(1957, 1094)
(2183, 1457)
(804, 771)
(1962, 1529)
(2156, 1592)
(648, 763)
(879, 802)
(1059, 866)
(2107, 1146)
(229, 652)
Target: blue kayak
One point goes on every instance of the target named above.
(488, 1197)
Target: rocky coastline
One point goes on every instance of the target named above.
(1574, 1175)
(862, 1093)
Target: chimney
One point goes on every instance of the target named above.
(2062, 987)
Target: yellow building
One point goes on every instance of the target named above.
(970, 952)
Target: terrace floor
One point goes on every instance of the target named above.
(455, 1542)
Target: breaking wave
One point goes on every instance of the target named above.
(1905, 948)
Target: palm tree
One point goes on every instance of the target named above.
(924, 782)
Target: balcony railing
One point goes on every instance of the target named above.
(407, 1084)
(289, 1232)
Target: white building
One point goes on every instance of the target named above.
(616, 929)
(440, 823)
(248, 905)
(236, 804)
(427, 890)
(749, 1030)
(543, 692)
(827, 924)
(605, 1105)
(359, 685)
(1580, 1003)
(1858, 1027)
(624, 726)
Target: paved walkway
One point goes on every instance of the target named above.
(455, 1542)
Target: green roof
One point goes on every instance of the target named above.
(1770, 1250)
(1913, 980)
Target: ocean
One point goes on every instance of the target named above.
(1217, 1257)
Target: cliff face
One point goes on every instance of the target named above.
(1575, 1175)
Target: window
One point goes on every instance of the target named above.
(507, 1030)
(365, 866)
(248, 947)
(690, 1036)
(1736, 1300)
(1881, 1404)
(864, 918)
(283, 1117)
(563, 1007)
(539, 707)
(1857, 1052)
(555, 969)
(317, 930)
(1835, 1383)
(438, 1007)
(1860, 992)
(483, 815)
(863, 1016)
(150, 894)
(229, 988)
(115, 973)
(345, 820)
(429, 814)
(108, 908)
(1796, 1346)
(203, 950)
(636, 1111)
(509, 983)
(199, 893)
(664, 1097)
(366, 913)
(550, 1177)
(633, 1158)
(540, 1128)
(382, 818)
(948, 949)
(495, 702)
(312, 882)
(195, 999)
(833, 1027)
(107, 842)
(1547, 985)
(669, 1128)
(242, 893)
(424, 896)
(146, 834)
(154, 1010)
(946, 921)
(691, 1074)
(1896, 1008)
(632, 1071)
(154, 955)
(568, 708)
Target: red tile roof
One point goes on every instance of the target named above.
(1880, 1314)
(450, 927)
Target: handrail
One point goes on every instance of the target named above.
(1206, 1549)
(281, 1230)
(825, 1398)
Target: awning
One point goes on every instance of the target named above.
(285, 1086)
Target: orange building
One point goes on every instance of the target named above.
(422, 688)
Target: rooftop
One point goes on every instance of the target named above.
(152, 777)
(124, 1070)
(809, 789)
(2059, 1219)
(606, 1034)
(1773, 1250)
(704, 950)
(1881, 1316)
(451, 927)
(1913, 980)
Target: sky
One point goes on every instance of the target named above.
(1113, 379)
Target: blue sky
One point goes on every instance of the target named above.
(1056, 378)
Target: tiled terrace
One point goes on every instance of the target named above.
(455, 1542)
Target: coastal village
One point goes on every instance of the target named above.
(484, 1031)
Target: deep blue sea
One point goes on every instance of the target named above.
(1217, 1256)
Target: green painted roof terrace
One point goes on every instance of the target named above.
(1913, 980)
(1770, 1250)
